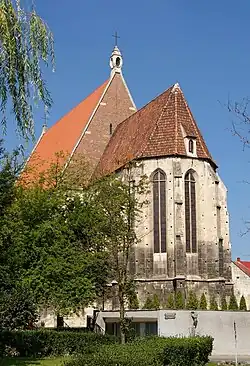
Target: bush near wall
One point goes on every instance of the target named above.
(151, 352)
(42, 343)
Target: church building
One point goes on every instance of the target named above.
(185, 228)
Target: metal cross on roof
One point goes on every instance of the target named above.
(116, 38)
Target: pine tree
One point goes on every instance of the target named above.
(192, 302)
(152, 303)
(133, 302)
(233, 305)
(203, 302)
(223, 303)
(170, 302)
(179, 301)
(156, 302)
(213, 304)
(243, 305)
(148, 305)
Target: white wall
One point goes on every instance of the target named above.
(218, 324)
(241, 284)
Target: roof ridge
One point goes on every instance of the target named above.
(176, 86)
(156, 123)
(194, 122)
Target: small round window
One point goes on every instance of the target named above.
(118, 61)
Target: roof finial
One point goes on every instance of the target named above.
(116, 60)
(116, 38)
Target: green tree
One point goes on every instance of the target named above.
(233, 305)
(152, 303)
(179, 300)
(26, 43)
(56, 249)
(223, 303)
(120, 199)
(17, 310)
(170, 302)
(192, 301)
(243, 305)
(148, 305)
(203, 302)
(133, 302)
(213, 303)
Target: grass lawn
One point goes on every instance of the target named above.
(32, 362)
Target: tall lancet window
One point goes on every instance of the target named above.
(159, 208)
(190, 213)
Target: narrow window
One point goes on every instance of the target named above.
(159, 210)
(110, 129)
(218, 209)
(191, 146)
(221, 258)
(190, 213)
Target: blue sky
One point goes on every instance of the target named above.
(204, 45)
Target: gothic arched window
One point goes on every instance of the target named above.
(159, 211)
(190, 213)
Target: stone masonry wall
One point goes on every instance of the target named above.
(209, 269)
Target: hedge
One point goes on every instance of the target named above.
(151, 352)
(42, 343)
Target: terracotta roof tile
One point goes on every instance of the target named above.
(158, 129)
(62, 136)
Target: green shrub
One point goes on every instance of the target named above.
(223, 303)
(192, 351)
(192, 301)
(44, 343)
(203, 302)
(154, 351)
(233, 305)
(170, 302)
(179, 301)
(213, 304)
(243, 305)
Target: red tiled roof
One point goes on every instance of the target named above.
(158, 129)
(62, 136)
(243, 265)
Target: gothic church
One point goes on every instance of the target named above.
(185, 230)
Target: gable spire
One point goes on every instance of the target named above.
(116, 60)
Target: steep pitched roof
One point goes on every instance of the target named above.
(243, 265)
(158, 129)
(62, 136)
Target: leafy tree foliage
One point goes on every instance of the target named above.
(120, 200)
(233, 305)
(25, 44)
(213, 303)
(17, 309)
(179, 300)
(63, 267)
(192, 301)
(243, 305)
(203, 302)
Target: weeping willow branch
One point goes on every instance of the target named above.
(26, 44)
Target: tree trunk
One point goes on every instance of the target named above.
(122, 316)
